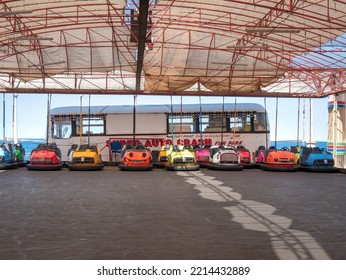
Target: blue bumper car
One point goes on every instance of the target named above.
(316, 159)
(6, 159)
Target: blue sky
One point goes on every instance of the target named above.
(32, 112)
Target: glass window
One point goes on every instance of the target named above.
(94, 126)
(203, 123)
(216, 123)
(182, 124)
(62, 130)
(240, 121)
(260, 122)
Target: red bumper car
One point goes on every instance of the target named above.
(245, 157)
(45, 157)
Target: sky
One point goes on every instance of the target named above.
(32, 112)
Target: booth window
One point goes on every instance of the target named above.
(62, 129)
(260, 122)
(66, 126)
(94, 126)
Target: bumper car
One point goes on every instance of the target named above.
(6, 160)
(202, 156)
(316, 160)
(45, 157)
(71, 150)
(137, 159)
(258, 156)
(278, 160)
(19, 153)
(245, 157)
(85, 158)
(224, 158)
(182, 158)
(296, 151)
(164, 155)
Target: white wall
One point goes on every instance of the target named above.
(145, 123)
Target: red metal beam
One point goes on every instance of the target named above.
(169, 93)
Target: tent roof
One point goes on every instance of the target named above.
(203, 47)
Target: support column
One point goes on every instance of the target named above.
(337, 129)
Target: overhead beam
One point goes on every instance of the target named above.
(258, 93)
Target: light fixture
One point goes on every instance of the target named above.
(253, 29)
(9, 13)
(30, 38)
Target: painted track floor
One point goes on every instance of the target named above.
(207, 214)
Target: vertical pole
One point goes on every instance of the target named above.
(181, 119)
(48, 119)
(3, 117)
(89, 121)
(312, 122)
(266, 121)
(222, 117)
(310, 126)
(134, 120)
(235, 117)
(304, 120)
(14, 120)
(200, 123)
(335, 126)
(298, 122)
(276, 121)
(172, 127)
(80, 119)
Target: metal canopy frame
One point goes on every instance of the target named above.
(174, 47)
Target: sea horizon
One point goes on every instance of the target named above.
(24, 139)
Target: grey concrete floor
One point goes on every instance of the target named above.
(113, 214)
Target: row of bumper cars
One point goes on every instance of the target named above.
(84, 158)
(137, 158)
(45, 157)
(173, 157)
(224, 158)
(182, 158)
(6, 159)
(315, 159)
(273, 159)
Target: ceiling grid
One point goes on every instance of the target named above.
(173, 47)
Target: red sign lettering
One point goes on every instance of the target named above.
(159, 142)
